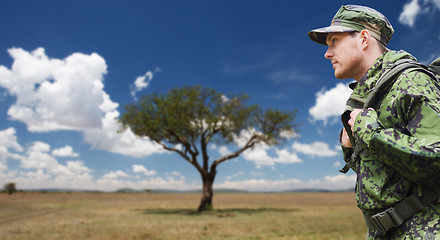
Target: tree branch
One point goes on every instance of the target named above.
(256, 138)
(192, 160)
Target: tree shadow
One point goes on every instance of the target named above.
(218, 212)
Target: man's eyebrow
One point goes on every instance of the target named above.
(329, 38)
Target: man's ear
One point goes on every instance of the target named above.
(365, 38)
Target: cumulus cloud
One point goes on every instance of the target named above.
(115, 174)
(54, 94)
(39, 169)
(262, 156)
(143, 170)
(412, 10)
(223, 150)
(409, 13)
(8, 142)
(319, 149)
(330, 103)
(125, 143)
(338, 182)
(68, 94)
(37, 157)
(66, 151)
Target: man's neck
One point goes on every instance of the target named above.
(370, 58)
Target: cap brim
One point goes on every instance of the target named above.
(320, 35)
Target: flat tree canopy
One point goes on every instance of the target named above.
(10, 187)
(187, 119)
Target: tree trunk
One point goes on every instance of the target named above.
(207, 194)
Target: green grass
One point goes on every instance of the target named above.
(173, 216)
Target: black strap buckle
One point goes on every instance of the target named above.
(387, 219)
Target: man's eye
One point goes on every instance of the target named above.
(333, 42)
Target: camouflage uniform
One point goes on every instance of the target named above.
(398, 138)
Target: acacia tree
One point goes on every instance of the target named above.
(10, 187)
(186, 120)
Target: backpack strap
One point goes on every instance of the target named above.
(390, 75)
(352, 103)
(405, 209)
(435, 67)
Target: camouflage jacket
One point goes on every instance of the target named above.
(399, 136)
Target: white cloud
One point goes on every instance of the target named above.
(224, 151)
(338, 182)
(68, 94)
(3, 168)
(319, 149)
(41, 170)
(126, 143)
(66, 151)
(174, 174)
(37, 157)
(115, 174)
(55, 94)
(409, 13)
(412, 10)
(39, 147)
(261, 157)
(38, 169)
(239, 173)
(171, 183)
(331, 103)
(8, 142)
(142, 82)
(143, 170)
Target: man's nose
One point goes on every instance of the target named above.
(328, 54)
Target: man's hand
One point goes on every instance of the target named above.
(345, 140)
(353, 116)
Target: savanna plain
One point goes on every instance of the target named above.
(161, 216)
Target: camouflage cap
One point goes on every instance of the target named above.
(351, 18)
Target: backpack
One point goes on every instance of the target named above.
(398, 213)
(393, 71)
(383, 84)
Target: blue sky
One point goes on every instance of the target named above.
(67, 68)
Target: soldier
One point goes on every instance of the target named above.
(393, 145)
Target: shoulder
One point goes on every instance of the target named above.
(416, 82)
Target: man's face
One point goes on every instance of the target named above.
(344, 53)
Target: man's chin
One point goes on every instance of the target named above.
(340, 76)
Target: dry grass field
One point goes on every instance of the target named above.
(74, 216)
